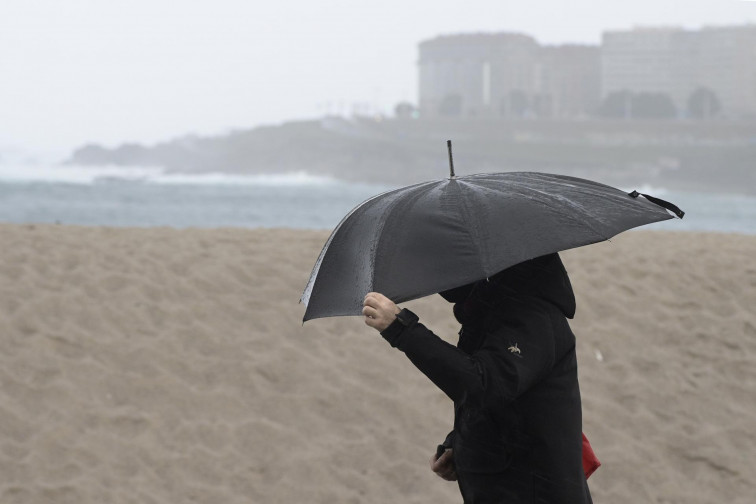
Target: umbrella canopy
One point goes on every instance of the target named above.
(429, 237)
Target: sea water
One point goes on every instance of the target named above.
(112, 196)
(117, 196)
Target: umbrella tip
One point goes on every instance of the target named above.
(451, 160)
(658, 201)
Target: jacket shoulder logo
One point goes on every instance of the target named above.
(514, 350)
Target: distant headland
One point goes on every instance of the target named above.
(712, 156)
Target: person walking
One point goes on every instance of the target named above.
(517, 434)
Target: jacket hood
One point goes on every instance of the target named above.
(543, 277)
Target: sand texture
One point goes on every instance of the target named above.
(171, 366)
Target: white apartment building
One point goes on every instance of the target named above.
(676, 62)
(506, 75)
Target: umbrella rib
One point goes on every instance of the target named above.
(389, 211)
(464, 215)
(305, 298)
(584, 222)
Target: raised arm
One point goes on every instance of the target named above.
(508, 363)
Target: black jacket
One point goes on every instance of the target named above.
(513, 380)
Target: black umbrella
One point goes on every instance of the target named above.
(429, 237)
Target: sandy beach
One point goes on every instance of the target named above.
(171, 366)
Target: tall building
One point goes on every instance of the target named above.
(678, 62)
(571, 75)
(727, 65)
(505, 75)
(511, 75)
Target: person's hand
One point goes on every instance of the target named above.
(443, 466)
(379, 311)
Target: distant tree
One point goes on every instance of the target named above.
(543, 105)
(405, 110)
(637, 105)
(703, 103)
(617, 104)
(653, 106)
(518, 103)
(451, 105)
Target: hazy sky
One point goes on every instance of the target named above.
(110, 71)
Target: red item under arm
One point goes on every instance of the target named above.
(590, 462)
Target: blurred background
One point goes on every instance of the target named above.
(231, 113)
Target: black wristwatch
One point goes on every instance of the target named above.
(406, 317)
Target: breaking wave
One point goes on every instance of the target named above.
(111, 174)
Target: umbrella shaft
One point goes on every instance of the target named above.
(451, 159)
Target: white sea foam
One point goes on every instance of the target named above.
(652, 190)
(75, 174)
(300, 178)
(648, 189)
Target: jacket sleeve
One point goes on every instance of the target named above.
(511, 360)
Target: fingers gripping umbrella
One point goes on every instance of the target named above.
(429, 237)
